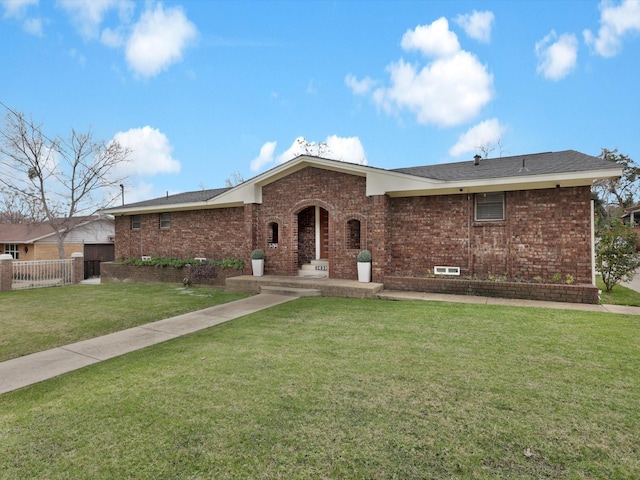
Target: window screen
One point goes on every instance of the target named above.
(490, 206)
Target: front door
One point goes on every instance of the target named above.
(313, 235)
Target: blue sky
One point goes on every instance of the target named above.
(202, 89)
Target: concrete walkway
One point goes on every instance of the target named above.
(23, 371)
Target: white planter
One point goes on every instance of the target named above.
(258, 267)
(364, 272)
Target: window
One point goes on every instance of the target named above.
(165, 220)
(273, 235)
(353, 234)
(135, 221)
(12, 249)
(489, 206)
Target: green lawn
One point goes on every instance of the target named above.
(619, 295)
(347, 389)
(36, 320)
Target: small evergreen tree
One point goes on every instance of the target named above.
(617, 258)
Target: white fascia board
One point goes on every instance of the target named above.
(117, 212)
(381, 182)
(247, 192)
(407, 188)
(251, 190)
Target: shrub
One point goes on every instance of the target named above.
(257, 254)
(617, 258)
(364, 256)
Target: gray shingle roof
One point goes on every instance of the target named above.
(534, 164)
(186, 197)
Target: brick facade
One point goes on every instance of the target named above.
(214, 234)
(545, 233)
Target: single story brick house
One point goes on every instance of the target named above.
(524, 218)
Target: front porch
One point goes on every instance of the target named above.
(329, 287)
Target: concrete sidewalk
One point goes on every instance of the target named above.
(23, 371)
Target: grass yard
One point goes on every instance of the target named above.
(619, 295)
(39, 319)
(347, 389)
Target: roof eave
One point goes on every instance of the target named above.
(533, 182)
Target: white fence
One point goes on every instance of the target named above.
(42, 273)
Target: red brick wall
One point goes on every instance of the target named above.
(342, 195)
(546, 232)
(213, 234)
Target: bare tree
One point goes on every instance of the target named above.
(13, 208)
(235, 179)
(312, 148)
(487, 147)
(58, 179)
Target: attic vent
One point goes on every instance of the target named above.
(446, 270)
(476, 159)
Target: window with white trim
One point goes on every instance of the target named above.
(489, 206)
(12, 249)
(165, 220)
(272, 233)
(135, 222)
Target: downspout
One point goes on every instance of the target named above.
(593, 244)
(318, 234)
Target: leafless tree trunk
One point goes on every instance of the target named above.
(58, 179)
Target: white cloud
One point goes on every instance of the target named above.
(446, 92)
(359, 87)
(158, 40)
(557, 56)
(265, 158)
(449, 90)
(344, 149)
(435, 40)
(113, 37)
(485, 133)
(87, 16)
(150, 152)
(33, 26)
(17, 8)
(616, 21)
(477, 25)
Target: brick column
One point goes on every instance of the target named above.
(6, 272)
(250, 232)
(78, 267)
(378, 233)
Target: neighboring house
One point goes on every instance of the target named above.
(524, 218)
(93, 236)
(632, 216)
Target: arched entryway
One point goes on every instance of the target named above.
(313, 237)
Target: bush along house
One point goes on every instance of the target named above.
(519, 226)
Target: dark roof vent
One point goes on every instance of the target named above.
(523, 169)
(476, 159)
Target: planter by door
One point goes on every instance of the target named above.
(364, 272)
(258, 267)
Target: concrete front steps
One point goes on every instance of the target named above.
(328, 287)
(315, 269)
